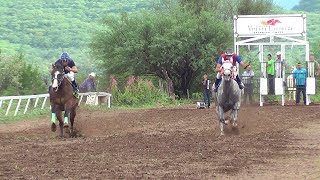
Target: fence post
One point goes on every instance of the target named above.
(36, 103)
(9, 106)
(44, 102)
(17, 108)
(26, 108)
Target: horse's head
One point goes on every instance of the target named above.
(226, 70)
(57, 76)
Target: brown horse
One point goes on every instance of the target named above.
(62, 99)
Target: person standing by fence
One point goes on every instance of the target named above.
(89, 84)
(270, 72)
(300, 74)
(247, 78)
(206, 90)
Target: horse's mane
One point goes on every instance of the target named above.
(58, 66)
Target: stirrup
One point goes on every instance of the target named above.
(76, 94)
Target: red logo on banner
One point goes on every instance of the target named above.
(270, 22)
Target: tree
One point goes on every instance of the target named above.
(172, 45)
(253, 7)
(17, 77)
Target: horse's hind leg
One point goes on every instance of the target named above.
(72, 117)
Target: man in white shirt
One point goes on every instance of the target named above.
(247, 79)
(280, 66)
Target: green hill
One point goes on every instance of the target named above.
(42, 29)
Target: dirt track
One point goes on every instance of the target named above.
(178, 143)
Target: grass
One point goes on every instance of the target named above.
(45, 113)
(30, 114)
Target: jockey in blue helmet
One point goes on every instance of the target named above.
(69, 69)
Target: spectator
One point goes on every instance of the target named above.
(206, 90)
(300, 74)
(247, 78)
(270, 72)
(280, 66)
(313, 67)
(89, 84)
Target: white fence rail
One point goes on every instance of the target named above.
(92, 98)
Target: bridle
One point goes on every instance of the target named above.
(227, 70)
(57, 77)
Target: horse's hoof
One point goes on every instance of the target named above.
(53, 127)
(234, 124)
(66, 125)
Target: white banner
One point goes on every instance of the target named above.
(278, 84)
(253, 25)
(263, 86)
(311, 86)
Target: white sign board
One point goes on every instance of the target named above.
(255, 25)
(311, 86)
(263, 86)
(278, 84)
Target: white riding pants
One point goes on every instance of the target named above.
(70, 76)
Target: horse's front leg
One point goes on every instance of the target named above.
(53, 119)
(234, 114)
(221, 120)
(66, 123)
(59, 117)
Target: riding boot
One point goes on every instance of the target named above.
(216, 84)
(241, 85)
(75, 88)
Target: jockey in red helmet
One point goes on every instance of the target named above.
(229, 55)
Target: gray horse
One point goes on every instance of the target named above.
(227, 97)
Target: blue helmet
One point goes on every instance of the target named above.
(65, 56)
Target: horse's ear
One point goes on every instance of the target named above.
(52, 65)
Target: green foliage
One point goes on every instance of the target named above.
(174, 40)
(170, 39)
(253, 7)
(43, 29)
(31, 114)
(19, 78)
(197, 96)
(140, 92)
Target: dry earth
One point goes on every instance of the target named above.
(273, 142)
